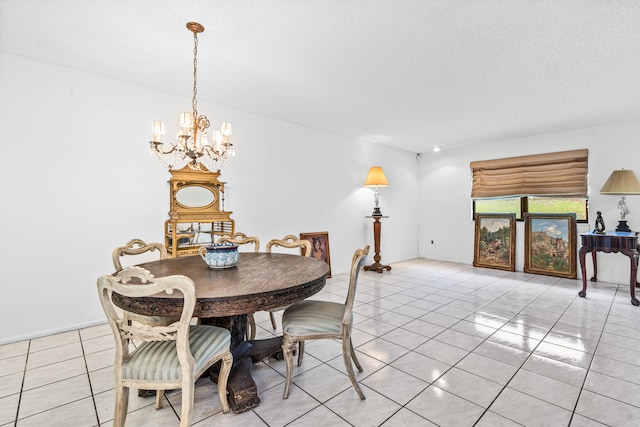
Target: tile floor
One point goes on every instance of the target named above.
(441, 344)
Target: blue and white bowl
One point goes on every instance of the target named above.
(219, 255)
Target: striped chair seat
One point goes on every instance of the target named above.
(158, 360)
(311, 317)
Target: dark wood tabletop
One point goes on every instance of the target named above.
(259, 281)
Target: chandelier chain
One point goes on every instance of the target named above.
(194, 100)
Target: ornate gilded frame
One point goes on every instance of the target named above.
(550, 244)
(495, 240)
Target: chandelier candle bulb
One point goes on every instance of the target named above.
(158, 129)
(185, 120)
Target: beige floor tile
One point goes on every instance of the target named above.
(19, 348)
(370, 412)
(278, 412)
(405, 417)
(546, 389)
(473, 388)
(607, 411)
(105, 403)
(52, 341)
(95, 331)
(54, 372)
(11, 384)
(529, 411)
(52, 355)
(101, 359)
(9, 408)
(395, 384)
(13, 365)
(560, 371)
(77, 414)
(491, 419)
(320, 416)
(383, 350)
(614, 388)
(53, 395)
(322, 382)
(445, 409)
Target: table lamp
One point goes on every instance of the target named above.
(622, 182)
(376, 179)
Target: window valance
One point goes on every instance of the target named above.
(552, 174)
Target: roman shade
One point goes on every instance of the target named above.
(551, 174)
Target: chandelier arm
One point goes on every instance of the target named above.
(157, 146)
(210, 151)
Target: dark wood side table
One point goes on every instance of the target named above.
(610, 242)
(376, 266)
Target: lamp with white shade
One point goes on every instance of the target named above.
(622, 182)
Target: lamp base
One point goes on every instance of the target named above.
(377, 267)
(622, 226)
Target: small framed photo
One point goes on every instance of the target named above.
(495, 240)
(550, 244)
(319, 246)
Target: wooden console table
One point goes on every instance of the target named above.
(610, 242)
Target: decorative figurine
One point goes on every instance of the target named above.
(599, 224)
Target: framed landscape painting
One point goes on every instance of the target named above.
(495, 239)
(550, 244)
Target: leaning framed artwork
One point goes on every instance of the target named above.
(319, 246)
(495, 239)
(550, 244)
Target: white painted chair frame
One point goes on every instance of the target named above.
(240, 238)
(299, 323)
(146, 285)
(291, 242)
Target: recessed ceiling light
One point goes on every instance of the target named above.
(436, 149)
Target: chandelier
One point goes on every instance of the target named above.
(194, 146)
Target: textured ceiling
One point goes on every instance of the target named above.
(411, 74)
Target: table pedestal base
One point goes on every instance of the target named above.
(243, 393)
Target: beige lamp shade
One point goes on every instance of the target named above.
(621, 181)
(376, 178)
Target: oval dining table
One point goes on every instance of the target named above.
(224, 297)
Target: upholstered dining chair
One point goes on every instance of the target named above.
(291, 242)
(137, 247)
(315, 320)
(240, 238)
(166, 357)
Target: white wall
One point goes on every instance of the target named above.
(78, 180)
(445, 189)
